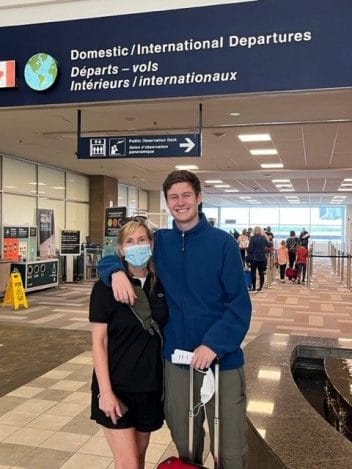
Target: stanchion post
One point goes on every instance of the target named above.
(338, 263)
(342, 266)
(348, 272)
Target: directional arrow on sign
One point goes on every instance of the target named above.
(189, 145)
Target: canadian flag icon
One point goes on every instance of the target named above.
(7, 74)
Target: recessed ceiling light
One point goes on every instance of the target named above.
(254, 137)
(264, 152)
(280, 180)
(186, 166)
(231, 190)
(271, 165)
(291, 196)
(235, 114)
(222, 185)
(287, 189)
(213, 181)
(283, 185)
(245, 197)
(347, 180)
(340, 196)
(346, 184)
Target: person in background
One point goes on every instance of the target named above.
(269, 234)
(128, 369)
(282, 259)
(243, 242)
(292, 243)
(301, 262)
(209, 315)
(304, 238)
(256, 255)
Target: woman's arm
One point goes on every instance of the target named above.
(108, 402)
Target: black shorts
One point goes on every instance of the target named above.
(145, 411)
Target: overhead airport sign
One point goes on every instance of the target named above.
(133, 146)
(263, 46)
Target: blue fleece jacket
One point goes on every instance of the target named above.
(201, 271)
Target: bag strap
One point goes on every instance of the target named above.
(141, 310)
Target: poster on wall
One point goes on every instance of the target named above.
(70, 242)
(46, 228)
(113, 215)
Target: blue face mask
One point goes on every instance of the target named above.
(138, 256)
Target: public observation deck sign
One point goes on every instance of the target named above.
(146, 146)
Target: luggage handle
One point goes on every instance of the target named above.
(216, 422)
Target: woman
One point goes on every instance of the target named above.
(127, 378)
(291, 244)
(243, 242)
(282, 259)
(258, 244)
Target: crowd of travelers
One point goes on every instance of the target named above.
(290, 256)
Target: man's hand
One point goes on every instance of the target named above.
(122, 288)
(203, 357)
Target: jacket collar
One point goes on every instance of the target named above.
(202, 225)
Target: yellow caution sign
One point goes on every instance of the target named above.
(15, 294)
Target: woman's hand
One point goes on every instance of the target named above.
(111, 406)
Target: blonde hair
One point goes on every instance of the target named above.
(257, 230)
(127, 230)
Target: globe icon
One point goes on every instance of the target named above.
(40, 71)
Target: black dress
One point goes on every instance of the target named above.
(134, 356)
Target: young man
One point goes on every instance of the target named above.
(209, 314)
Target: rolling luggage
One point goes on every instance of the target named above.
(178, 463)
(291, 274)
(248, 277)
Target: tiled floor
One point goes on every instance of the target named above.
(45, 368)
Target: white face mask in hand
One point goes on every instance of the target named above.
(207, 390)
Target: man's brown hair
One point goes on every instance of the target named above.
(182, 176)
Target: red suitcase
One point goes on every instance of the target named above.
(291, 274)
(178, 463)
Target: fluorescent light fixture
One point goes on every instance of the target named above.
(263, 152)
(291, 196)
(231, 190)
(58, 188)
(245, 197)
(340, 196)
(186, 166)
(213, 181)
(286, 189)
(280, 180)
(347, 180)
(344, 189)
(235, 114)
(283, 185)
(219, 186)
(254, 137)
(272, 165)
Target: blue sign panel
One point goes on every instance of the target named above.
(216, 50)
(133, 146)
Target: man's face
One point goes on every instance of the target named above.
(183, 204)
